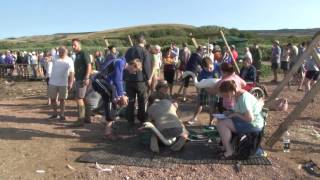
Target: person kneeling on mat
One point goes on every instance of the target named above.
(165, 125)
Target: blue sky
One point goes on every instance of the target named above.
(41, 17)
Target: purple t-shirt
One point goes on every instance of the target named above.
(8, 59)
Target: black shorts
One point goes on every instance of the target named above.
(285, 65)
(9, 66)
(312, 75)
(186, 81)
(275, 66)
(169, 75)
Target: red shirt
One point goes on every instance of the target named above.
(235, 55)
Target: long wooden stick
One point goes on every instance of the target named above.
(194, 42)
(130, 40)
(226, 43)
(106, 42)
(316, 57)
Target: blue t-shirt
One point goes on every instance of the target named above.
(208, 74)
(193, 63)
(116, 76)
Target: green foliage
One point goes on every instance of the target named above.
(265, 70)
(163, 35)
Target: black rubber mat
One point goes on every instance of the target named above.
(131, 152)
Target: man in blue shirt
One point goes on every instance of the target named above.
(193, 65)
(275, 59)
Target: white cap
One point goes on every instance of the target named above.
(210, 46)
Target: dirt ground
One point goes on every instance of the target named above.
(33, 147)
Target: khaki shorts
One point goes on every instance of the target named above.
(54, 91)
(80, 90)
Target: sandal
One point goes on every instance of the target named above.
(220, 150)
(312, 168)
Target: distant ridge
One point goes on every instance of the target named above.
(286, 32)
(85, 35)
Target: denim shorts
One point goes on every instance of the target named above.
(242, 126)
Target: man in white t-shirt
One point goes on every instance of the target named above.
(61, 74)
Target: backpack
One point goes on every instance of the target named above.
(99, 82)
(246, 144)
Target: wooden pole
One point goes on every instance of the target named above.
(316, 57)
(106, 42)
(194, 42)
(293, 115)
(226, 43)
(130, 40)
(293, 70)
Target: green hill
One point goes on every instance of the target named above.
(162, 34)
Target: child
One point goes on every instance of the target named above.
(248, 72)
(169, 68)
(160, 93)
(208, 71)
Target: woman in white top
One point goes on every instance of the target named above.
(156, 60)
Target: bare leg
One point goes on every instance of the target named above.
(180, 89)
(302, 80)
(225, 129)
(184, 93)
(54, 106)
(108, 129)
(62, 107)
(197, 112)
(307, 85)
(275, 75)
(170, 89)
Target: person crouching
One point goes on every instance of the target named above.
(166, 125)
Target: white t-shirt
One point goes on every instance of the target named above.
(60, 70)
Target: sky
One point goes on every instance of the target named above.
(45, 17)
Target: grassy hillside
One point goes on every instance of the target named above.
(162, 34)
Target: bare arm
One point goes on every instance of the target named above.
(70, 80)
(89, 68)
(247, 116)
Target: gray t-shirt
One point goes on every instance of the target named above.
(276, 54)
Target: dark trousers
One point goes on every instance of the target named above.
(136, 89)
(106, 91)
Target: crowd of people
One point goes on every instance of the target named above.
(137, 76)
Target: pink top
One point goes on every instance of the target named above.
(229, 103)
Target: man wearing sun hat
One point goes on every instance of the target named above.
(275, 59)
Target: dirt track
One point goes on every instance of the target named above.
(30, 142)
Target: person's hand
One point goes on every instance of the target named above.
(86, 82)
(149, 82)
(123, 100)
(69, 87)
(231, 115)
